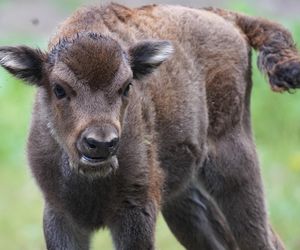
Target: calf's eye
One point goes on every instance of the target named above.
(126, 91)
(59, 91)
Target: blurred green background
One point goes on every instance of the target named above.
(276, 120)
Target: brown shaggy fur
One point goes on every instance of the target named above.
(186, 145)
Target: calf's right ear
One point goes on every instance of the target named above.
(23, 62)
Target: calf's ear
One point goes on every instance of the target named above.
(23, 62)
(146, 56)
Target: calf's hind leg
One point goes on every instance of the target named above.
(231, 175)
(197, 222)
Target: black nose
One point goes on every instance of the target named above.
(98, 144)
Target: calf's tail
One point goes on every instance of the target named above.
(278, 57)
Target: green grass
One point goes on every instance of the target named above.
(276, 120)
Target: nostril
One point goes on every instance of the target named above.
(113, 143)
(91, 143)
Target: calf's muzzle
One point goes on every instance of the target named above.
(98, 144)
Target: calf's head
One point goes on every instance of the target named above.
(86, 84)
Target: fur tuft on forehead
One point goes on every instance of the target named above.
(92, 57)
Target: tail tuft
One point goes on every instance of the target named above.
(278, 57)
(284, 75)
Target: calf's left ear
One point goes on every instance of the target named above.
(146, 56)
(23, 62)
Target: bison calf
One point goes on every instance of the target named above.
(114, 139)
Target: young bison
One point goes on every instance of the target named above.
(112, 143)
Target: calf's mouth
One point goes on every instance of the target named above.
(93, 160)
(97, 166)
